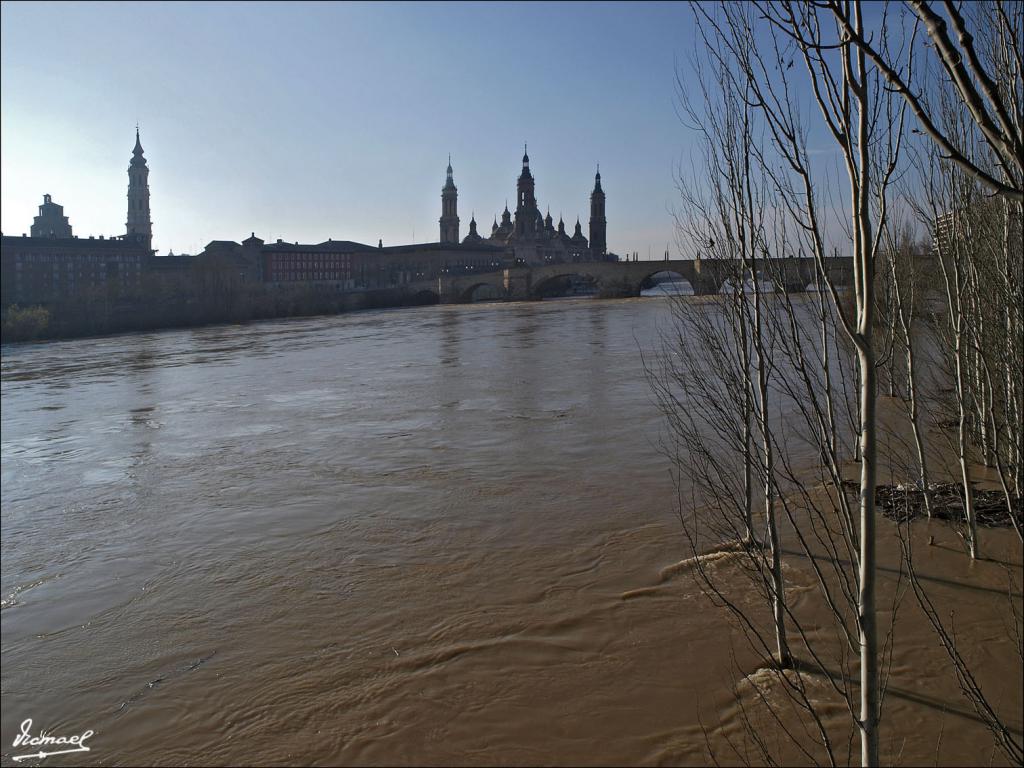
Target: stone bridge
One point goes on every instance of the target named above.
(619, 279)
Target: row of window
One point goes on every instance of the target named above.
(97, 267)
(292, 258)
(280, 274)
(68, 283)
(50, 257)
(340, 285)
(42, 277)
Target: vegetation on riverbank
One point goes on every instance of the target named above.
(102, 313)
(24, 324)
(776, 404)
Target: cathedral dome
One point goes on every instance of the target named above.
(578, 236)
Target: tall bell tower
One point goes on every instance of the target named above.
(449, 209)
(139, 222)
(598, 223)
(526, 202)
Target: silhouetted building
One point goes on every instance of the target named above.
(139, 222)
(53, 266)
(331, 262)
(449, 209)
(473, 238)
(51, 221)
(598, 223)
(344, 265)
(53, 270)
(400, 264)
(532, 238)
(170, 279)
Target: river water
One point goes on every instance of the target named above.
(390, 537)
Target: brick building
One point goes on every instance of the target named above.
(344, 265)
(332, 262)
(52, 270)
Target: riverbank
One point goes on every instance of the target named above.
(99, 318)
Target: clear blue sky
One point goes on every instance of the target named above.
(309, 121)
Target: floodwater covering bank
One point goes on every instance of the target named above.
(390, 538)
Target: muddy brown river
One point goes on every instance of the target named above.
(419, 536)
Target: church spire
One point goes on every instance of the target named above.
(598, 222)
(449, 220)
(449, 182)
(137, 158)
(139, 223)
(528, 218)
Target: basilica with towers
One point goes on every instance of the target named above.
(527, 237)
(54, 267)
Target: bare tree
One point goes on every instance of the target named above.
(749, 376)
(867, 129)
(984, 81)
(905, 280)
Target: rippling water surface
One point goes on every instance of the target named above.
(386, 537)
(372, 530)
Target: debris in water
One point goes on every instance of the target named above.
(903, 503)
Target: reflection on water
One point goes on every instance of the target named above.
(385, 537)
(306, 498)
(679, 287)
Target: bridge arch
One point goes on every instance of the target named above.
(481, 290)
(423, 297)
(561, 283)
(666, 282)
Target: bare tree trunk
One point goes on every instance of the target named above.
(771, 515)
(902, 256)
(963, 448)
(863, 257)
(953, 275)
(748, 437)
